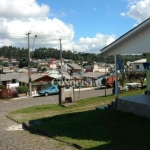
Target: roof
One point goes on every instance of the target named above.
(74, 66)
(10, 76)
(67, 76)
(136, 41)
(93, 74)
(139, 61)
(69, 68)
(34, 77)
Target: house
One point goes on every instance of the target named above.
(138, 65)
(136, 41)
(38, 81)
(7, 70)
(74, 69)
(96, 68)
(95, 77)
(10, 79)
(52, 64)
(11, 62)
(60, 62)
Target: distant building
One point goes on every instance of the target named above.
(96, 68)
(7, 70)
(138, 65)
(10, 79)
(11, 62)
(73, 69)
(52, 64)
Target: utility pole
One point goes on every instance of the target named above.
(60, 52)
(29, 69)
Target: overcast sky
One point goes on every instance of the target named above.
(83, 25)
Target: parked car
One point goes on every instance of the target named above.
(50, 90)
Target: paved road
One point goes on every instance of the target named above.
(13, 137)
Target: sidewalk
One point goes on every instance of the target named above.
(23, 96)
(85, 89)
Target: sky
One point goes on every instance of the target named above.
(82, 25)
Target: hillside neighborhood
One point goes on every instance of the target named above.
(12, 76)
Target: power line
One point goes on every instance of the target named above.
(45, 35)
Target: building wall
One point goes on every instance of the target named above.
(95, 68)
(138, 67)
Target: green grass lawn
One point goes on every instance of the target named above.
(93, 129)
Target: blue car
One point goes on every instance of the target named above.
(50, 90)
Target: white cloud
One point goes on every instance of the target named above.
(27, 15)
(123, 14)
(138, 10)
(19, 9)
(93, 44)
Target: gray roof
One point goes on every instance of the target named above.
(67, 76)
(68, 67)
(10, 76)
(93, 74)
(135, 41)
(34, 77)
(74, 66)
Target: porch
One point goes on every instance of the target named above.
(138, 104)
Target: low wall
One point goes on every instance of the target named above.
(133, 107)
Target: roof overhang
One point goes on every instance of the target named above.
(136, 41)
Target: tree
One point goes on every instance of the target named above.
(122, 82)
(141, 77)
(137, 76)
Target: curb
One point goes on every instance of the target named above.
(13, 119)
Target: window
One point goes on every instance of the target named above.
(13, 80)
(137, 67)
(53, 88)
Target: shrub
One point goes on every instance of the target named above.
(2, 87)
(22, 89)
(122, 82)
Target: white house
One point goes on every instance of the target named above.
(11, 79)
(138, 65)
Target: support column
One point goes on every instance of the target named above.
(116, 77)
(148, 72)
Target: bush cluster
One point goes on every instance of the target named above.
(22, 89)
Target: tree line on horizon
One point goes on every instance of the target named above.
(21, 54)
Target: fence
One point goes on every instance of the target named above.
(8, 93)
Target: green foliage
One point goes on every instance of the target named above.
(133, 76)
(2, 87)
(22, 89)
(122, 82)
(43, 69)
(44, 53)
